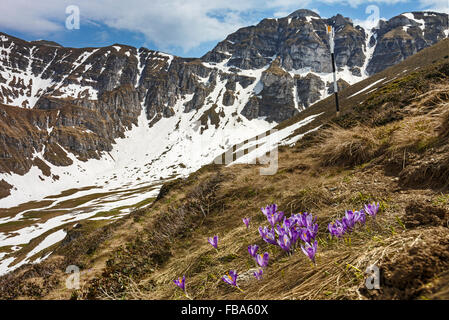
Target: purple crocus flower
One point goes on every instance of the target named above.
(348, 220)
(360, 217)
(268, 235)
(306, 235)
(280, 230)
(258, 274)
(275, 218)
(252, 250)
(336, 229)
(246, 222)
(269, 210)
(213, 241)
(305, 219)
(284, 242)
(288, 223)
(372, 209)
(294, 234)
(310, 250)
(231, 278)
(272, 214)
(181, 283)
(262, 260)
(313, 229)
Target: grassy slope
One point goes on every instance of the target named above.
(392, 148)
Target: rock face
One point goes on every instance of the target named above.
(276, 100)
(57, 103)
(300, 40)
(404, 35)
(341, 84)
(309, 89)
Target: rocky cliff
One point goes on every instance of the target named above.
(57, 102)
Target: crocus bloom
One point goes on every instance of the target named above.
(348, 220)
(213, 241)
(280, 230)
(258, 274)
(310, 250)
(267, 235)
(305, 219)
(313, 229)
(360, 216)
(372, 209)
(269, 210)
(246, 222)
(306, 235)
(262, 260)
(288, 222)
(181, 283)
(294, 234)
(275, 217)
(252, 250)
(337, 229)
(230, 278)
(284, 242)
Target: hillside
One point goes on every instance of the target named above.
(390, 145)
(91, 134)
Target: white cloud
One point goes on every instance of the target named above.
(167, 23)
(435, 5)
(280, 14)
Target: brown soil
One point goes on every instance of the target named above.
(421, 214)
(4, 189)
(405, 274)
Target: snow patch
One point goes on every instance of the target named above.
(367, 87)
(411, 16)
(50, 240)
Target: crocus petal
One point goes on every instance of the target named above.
(253, 249)
(258, 274)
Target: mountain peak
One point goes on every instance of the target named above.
(302, 13)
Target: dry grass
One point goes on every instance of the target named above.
(415, 134)
(444, 129)
(428, 123)
(348, 147)
(295, 278)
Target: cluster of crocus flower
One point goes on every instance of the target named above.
(351, 219)
(285, 232)
(261, 260)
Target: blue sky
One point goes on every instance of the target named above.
(187, 28)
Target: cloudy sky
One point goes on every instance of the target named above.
(182, 27)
